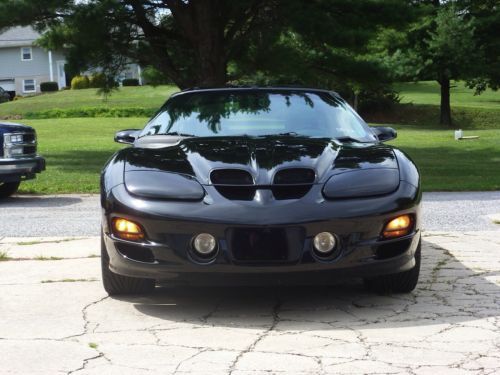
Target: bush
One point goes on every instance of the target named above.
(97, 80)
(49, 86)
(152, 76)
(130, 82)
(376, 100)
(80, 82)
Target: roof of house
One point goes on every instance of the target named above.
(18, 36)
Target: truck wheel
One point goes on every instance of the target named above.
(116, 284)
(402, 282)
(8, 188)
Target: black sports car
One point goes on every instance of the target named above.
(268, 185)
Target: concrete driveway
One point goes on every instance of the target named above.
(55, 318)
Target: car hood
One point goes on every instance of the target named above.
(261, 157)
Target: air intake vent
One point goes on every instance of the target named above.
(238, 193)
(231, 177)
(293, 176)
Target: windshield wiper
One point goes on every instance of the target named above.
(180, 134)
(286, 134)
(348, 139)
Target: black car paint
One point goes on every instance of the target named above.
(171, 223)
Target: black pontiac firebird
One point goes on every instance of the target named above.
(285, 185)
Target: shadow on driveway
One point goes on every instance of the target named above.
(448, 292)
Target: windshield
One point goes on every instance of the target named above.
(258, 113)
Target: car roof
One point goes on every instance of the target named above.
(253, 88)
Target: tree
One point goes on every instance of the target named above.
(208, 42)
(486, 14)
(442, 46)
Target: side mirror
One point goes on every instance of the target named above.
(384, 133)
(127, 136)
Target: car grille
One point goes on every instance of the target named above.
(237, 184)
(266, 245)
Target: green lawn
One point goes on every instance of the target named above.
(427, 93)
(76, 150)
(126, 97)
(449, 165)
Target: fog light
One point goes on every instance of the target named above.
(398, 227)
(204, 243)
(324, 242)
(127, 230)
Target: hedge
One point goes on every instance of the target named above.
(49, 86)
(92, 112)
(130, 82)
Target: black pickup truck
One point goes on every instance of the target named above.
(18, 158)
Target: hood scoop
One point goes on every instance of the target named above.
(238, 184)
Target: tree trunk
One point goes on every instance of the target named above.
(445, 116)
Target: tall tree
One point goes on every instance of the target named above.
(441, 45)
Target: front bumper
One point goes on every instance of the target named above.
(171, 226)
(16, 169)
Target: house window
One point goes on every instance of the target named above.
(29, 85)
(26, 54)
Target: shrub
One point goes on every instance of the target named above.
(80, 82)
(130, 82)
(154, 77)
(376, 100)
(49, 86)
(97, 80)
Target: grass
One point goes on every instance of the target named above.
(76, 151)
(68, 281)
(137, 97)
(420, 106)
(43, 258)
(427, 93)
(4, 256)
(449, 165)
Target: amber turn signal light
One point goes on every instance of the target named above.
(127, 230)
(398, 227)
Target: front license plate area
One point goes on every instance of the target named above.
(266, 245)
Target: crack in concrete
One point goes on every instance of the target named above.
(276, 320)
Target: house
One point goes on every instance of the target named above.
(23, 65)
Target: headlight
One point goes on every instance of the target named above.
(163, 185)
(362, 183)
(17, 138)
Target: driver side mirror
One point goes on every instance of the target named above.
(127, 136)
(384, 133)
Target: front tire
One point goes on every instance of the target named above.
(115, 284)
(402, 282)
(8, 188)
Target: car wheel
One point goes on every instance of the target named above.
(116, 284)
(402, 282)
(8, 188)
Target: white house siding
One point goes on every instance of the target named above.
(12, 66)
